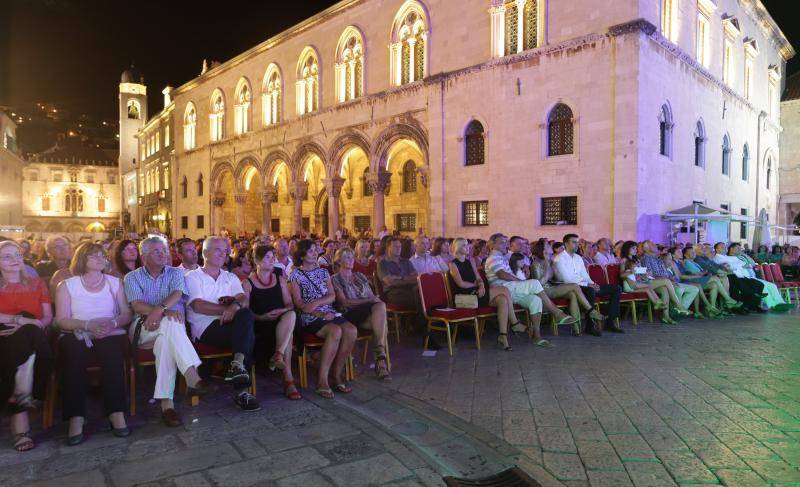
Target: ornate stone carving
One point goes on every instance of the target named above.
(240, 198)
(219, 199)
(379, 182)
(299, 190)
(269, 196)
(424, 172)
(334, 186)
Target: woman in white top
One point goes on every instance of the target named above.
(93, 314)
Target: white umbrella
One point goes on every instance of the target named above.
(761, 234)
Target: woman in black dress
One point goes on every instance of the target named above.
(465, 280)
(275, 317)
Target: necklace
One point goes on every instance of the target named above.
(93, 285)
(269, 279)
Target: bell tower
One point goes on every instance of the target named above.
(132, 117)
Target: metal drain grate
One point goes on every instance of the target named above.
(513, 477)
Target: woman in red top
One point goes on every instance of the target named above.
(25, 356)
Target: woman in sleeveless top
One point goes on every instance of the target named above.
(93, 313)
(633, 281)
(465, 280)
(312, 292)
(272, 306)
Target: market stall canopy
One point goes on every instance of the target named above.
(698, 211)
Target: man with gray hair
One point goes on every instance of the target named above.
(59, 252)
(155, 292)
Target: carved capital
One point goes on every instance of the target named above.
(219, 199)
(334, 186)
(379, 182)
(269, 196)
(423, 172)
(299, 190)
(240, 198)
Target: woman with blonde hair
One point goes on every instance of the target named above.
(93, 313)
(25, 356)
(465, 279)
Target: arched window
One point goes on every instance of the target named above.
(350, 65)
(134, 110)
(665, 125)
(521, 19)
(409, 48)
(409, 177)
(241, 110)
(726, 155)
(365, 183)
(73, 200)
(746, 163)
(184, 188)
(700, 145)
(473, 144)
(200, 185)
(190, 127)
(46, 202)
(560, 131)
(768, 181)
(216, 118)
(271, 99)
(307, 82)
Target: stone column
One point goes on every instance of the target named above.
(240, 199)
(378, 183)
(216, 212)
(298, 192)
(266, 210)
(333, 186)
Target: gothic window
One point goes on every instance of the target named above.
(560, 131)
(768, 182)
(308, 83)
(101, 204)
(746, 163)
(216, 118)
(530, 19)
(726, 155)
(512, 24)
(474, 213)
(409, 177)
(200, 185)
(272, 96)
(189, 127)
(474, 144)
(560, 210)
(350, 66)
(668, 19)
(364, 182)
(700, 145)
(241, 110)
(521, 25)
(46, 202)
(665, 125)
(409, 48)
(73, 200)
(134, 110)
(184, 187)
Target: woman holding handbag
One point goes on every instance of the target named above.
(93, 314)
(465, 280)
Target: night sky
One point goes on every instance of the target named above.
(72, 52)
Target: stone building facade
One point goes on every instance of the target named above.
(11, 167)
(156, 148)
(789, 174)
(71, 189)
(466, 118)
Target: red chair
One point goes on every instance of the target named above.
(396, 312)
(482, 312)
(765, 271)
(307, 341)
(784, 285)
(435, 305)
(210, 352)
(517, 308)
(562, 303)
(613, 277)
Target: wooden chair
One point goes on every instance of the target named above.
(305, 342)
(435, 306)
(517, 308)
(210, 352)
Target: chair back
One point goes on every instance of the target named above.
(598, 274)
(766, 273)
(433, 291)
(777, 273)
(378, 286)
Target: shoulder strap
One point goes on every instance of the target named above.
(309, 280)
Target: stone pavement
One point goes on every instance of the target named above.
(714, 402)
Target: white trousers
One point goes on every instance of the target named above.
(524, 293)
(173, 351)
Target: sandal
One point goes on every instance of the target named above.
(543, 343)
(326, 393)
(667, 320)
(291, 391)
(23, 441)
(567, 320)
(343, 388)
(276, 362)
(382, 368)
(518, 327)
(683, 312)
(658, 306)
(504, 343)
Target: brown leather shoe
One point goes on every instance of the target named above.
(171, 418)
(200, 389)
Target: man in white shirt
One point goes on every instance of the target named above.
(282, 258)
(422, 260)
(745, 278)
(187, 253)
(528, 293)
(219, 316)
(568, 267)
(605, 253)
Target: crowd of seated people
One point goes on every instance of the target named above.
(258, 297)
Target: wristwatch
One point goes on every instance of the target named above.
(163, 308)
(237, 303)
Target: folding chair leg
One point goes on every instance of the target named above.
(650, 311)
(553, 325)
(303, 369)
(450, 338)
(633, 312)
(477, 334)
(386, 349)
(364, 354)
(427, 336)
(132, 380)
(253, 389)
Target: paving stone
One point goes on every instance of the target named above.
(304, 480)
(163, 466)
(602, 478)
(745, 446)
(661, 439)
(521, 437)
(775, 471)
(685, 467)
(648, 474)
(349, 449)
(740, 478)
(92, 478)
(195, 479)
(632, 448)
(557, 440)
(616, 423)
(268, 467)
(363, 472)
(717, 455)
(564, 466)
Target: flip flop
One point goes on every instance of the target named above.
(326, 393)
(567, 320)
(343, 388)
(543, 343)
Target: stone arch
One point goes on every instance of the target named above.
(380, 148)
(242, 169)
(218, 172)
(302, 154)
(75, 227)
(344, 143)
(54, 227)
(271, 163)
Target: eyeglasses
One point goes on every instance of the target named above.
(98, 255)
(11, 257)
